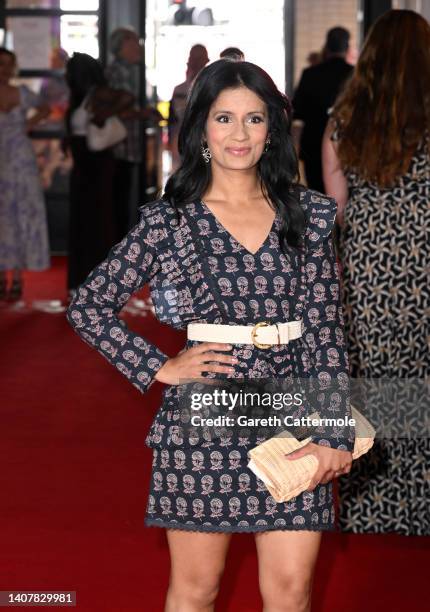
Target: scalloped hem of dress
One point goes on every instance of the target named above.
(236, 529)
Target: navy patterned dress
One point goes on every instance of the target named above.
(201, 484)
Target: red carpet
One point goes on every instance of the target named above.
(75, 474)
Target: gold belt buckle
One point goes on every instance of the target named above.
(254, 333)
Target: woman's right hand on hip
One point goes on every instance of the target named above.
(189, 364)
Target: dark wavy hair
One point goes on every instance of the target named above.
(82, 73)
(384, 110)
(277, 168)
(4, 51)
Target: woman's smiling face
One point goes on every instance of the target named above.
(236, 129)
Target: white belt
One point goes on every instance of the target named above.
(268, 335)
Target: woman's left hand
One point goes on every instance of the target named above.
(331, 462)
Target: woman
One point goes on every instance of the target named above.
(377, 166)
(91, 225)
(23, 227)
(205, 265)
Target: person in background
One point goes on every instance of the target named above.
(233, 53)
(123, 74)
(314, 58)
(316, 93)
(91, 224)
(23, 226)
(197, 59)
(376, 162)
(54, 91)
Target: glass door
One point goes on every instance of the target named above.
(44, 34)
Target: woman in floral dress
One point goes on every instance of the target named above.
(204, 264)
(23, 226)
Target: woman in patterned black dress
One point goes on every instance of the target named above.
(377, 166)
(205, 264)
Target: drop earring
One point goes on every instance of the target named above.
(206, 154)
(266, 145)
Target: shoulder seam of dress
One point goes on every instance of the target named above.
(158, 206)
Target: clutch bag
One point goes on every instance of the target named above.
(285, 479)
(111, 133)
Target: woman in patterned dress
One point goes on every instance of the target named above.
(205, 264)
(377, 166)
(23, 226)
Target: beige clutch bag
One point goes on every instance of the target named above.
(285, 479)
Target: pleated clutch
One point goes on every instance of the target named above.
(285, 479)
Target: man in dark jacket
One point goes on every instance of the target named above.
(315, 94)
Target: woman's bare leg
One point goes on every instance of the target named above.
(197, 563)
(17, 275)
(286, 563)
(15, 289)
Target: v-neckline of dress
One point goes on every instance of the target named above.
(222, 227)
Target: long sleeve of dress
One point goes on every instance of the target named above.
(324, 328)
(93, 313)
